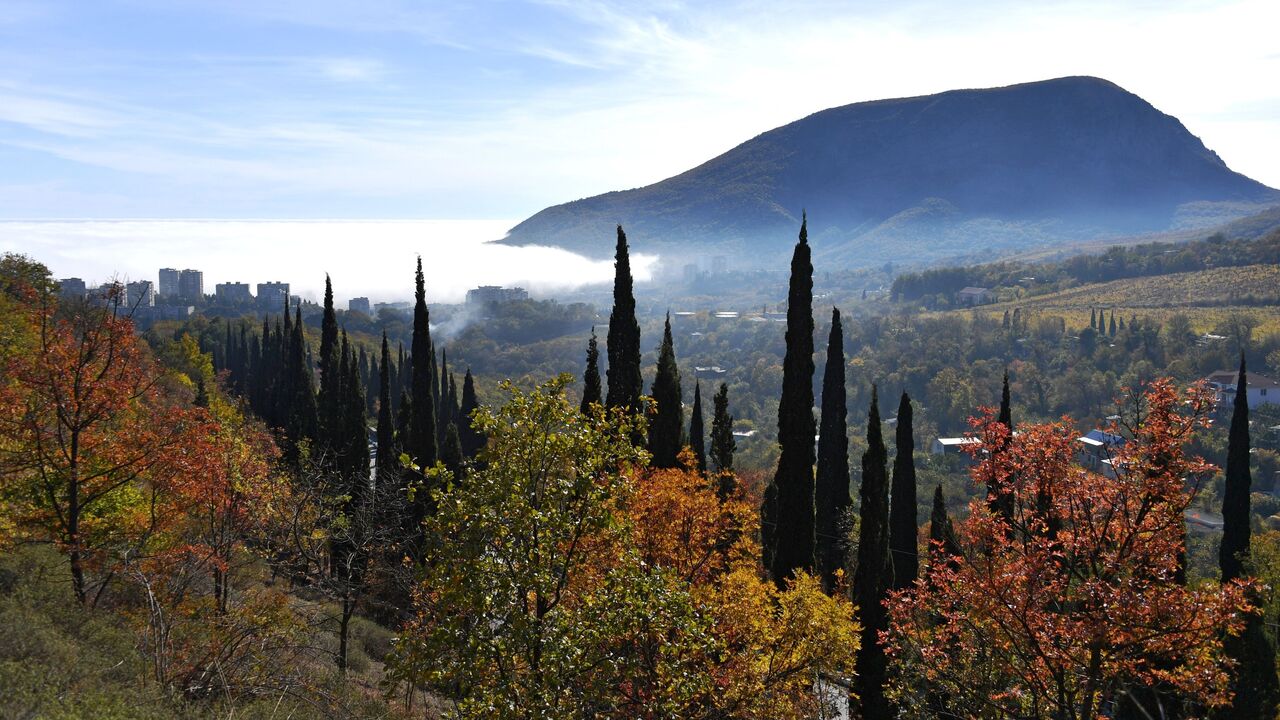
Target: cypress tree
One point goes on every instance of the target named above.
(1000, 499)
(443, 416)
(666, 431)
(623, 344)
(1093, 318)
(421, 444)
(870, 579)
(329, 403)
(451, 452)
(388, 458)
(1235, 498)
(942, 536)
(697, 434)
(1111, 330)
(831, 487)
(300, 397)
(787, 518)
(903, 546)
(1255, 684)
(591, 377)
(722, 442)
(471, 440)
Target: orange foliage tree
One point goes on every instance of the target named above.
(569, 580)
(1076, 602)
(92, 433)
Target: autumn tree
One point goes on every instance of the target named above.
(559, 589)
(92, 436)
(1024, 622)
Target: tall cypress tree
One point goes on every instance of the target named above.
(831, 488)
(1111, 329)
(329, 402)
(999, 498)
(1235, 497)
(388, 457)
(421, 444)
(666, 431)
(870, 579)
(623, 344)
(697, 434)
(787, 518)
(722, 442)
(591, 376)
(470, 439)
(942, 536)
(1255, 684)
(903, 547)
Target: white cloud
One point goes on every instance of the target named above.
(364, 258)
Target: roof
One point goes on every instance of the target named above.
(1227, 378)
(956, 441)
(1102, 437)
(974, 290)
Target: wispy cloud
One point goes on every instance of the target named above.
(396, 107)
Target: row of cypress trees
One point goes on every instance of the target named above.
(806, 515)
(667, 431)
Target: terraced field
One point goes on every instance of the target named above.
(1207, 297)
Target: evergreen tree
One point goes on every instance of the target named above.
(623, 344)
(697, 434)
(1093, 318)
(443, 407)
(299, 398)
(831, 487)
(329, 404)
(471, 440)
(421, 444)
(903, 547)
(1235, 497)
(666, 431)
(998, 498)
(722, 442)
(388, 455)
(451, 452)
(787, 517)
(942, 537)
(1111, 330)
(591, 377)
(870, 579)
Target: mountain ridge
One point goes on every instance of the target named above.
(932, 175)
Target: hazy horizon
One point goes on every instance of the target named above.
(370, 258)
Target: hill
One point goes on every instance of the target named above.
(926, 178)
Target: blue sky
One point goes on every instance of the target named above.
(487, 110)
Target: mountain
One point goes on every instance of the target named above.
(957, 173)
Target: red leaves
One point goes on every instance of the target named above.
(1075, 596)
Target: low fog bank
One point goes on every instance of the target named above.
(371, 258)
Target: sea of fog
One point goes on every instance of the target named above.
(372, 258)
